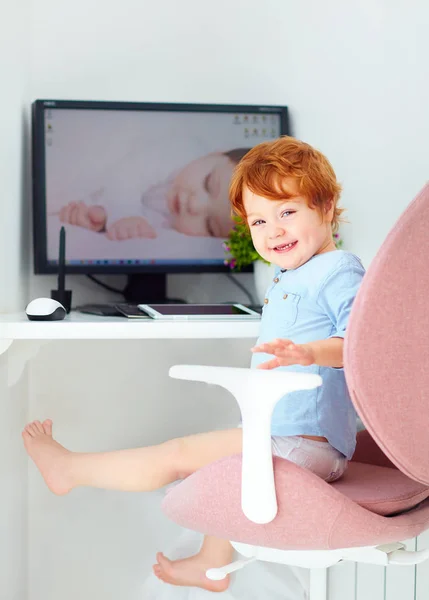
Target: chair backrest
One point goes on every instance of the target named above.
(386, 354)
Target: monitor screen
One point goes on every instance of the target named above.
(139, 187)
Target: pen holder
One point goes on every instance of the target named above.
(64, 297)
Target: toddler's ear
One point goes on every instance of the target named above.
(329, 210)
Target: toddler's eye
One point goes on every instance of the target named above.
(287, 212)
(257, 222)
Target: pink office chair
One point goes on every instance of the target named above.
(274, 510)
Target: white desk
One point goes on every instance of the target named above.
(77, 326)
(81, 326)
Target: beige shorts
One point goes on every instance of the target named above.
(318, 457)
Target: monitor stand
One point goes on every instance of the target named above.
(147, 288)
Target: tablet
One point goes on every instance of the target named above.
(194, 312)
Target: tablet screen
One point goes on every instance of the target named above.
(199, 309)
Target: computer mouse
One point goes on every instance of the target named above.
(45, 309)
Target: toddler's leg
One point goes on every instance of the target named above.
(134, 470)
(192, 571)
(141, 469)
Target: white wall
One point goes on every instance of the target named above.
(14, 53)
(15, 28)
(13, 497)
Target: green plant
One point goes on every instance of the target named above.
(240, 250)
(239, 247)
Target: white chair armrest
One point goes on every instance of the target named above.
(257, 392)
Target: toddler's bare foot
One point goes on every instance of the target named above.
(51, 458)
(189, 572)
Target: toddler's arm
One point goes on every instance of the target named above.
(325, 353)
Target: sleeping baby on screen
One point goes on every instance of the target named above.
(287, 194)
(194, 202)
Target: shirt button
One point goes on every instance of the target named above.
(265, 300)
(276, 280)
(284, 297)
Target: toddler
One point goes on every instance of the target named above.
(287, 193)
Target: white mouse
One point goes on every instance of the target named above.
(45, 309)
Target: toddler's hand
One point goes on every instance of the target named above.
(78, 213)
(286, 353)
(130, 227)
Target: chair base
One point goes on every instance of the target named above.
(385, 554)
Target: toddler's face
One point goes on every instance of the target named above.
(287, 233)
(198, 199)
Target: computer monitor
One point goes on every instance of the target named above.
(141, 188)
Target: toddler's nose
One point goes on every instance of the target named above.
(275, 231)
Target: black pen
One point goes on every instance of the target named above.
(62, 260)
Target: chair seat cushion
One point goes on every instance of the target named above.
(382, 490)
(312, 514)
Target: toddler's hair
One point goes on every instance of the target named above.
(266, 166)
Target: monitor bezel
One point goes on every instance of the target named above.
(41, 264)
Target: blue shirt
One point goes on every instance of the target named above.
(307, 304)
